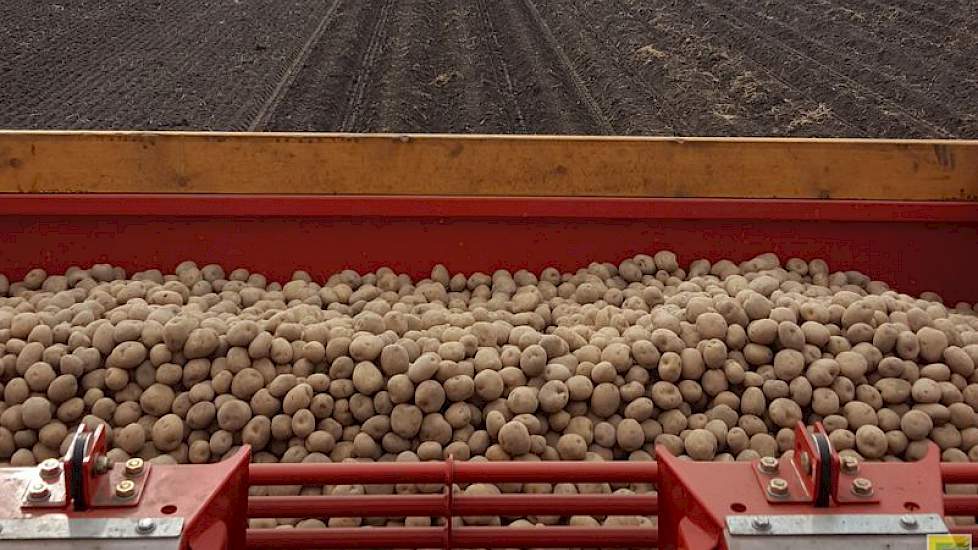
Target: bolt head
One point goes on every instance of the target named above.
(761, 523)
(769, 465)
(125, 489)
(778, 487)
(102, 464)
(145, 525)
(134, 467)
(908, 522)
(50, 468)
(850, 464)
(862, 486)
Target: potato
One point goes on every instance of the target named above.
(367, 379)
(233, 414)
(514, 438)
(553, 396)
(572, 446)
(784, 412)
(701, 444)
(200, 343)
(130, 438)
(429, 396)
(871, 442)
(859, 414)
(128, 355)
(36, 412)
(629, 435)
(299, 397)
(933, 342)
(157, 399)
(168, 432)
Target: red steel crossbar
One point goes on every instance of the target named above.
(451, 471)
(441, 505)
(460, 537)
(959, 472)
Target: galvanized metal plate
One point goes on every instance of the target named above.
(837, 542)
(835, 524)
(60, 526)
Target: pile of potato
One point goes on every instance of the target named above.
(717, 361)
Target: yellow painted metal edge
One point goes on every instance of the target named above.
(188, 162)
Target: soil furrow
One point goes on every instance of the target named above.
(756, 92)
(637, 105)
(567, 69)
(70, 82)
(855, 74)
(363, 76)
(930, 13)
(501, 74)
(318, 98)
(873, 110)
(862, 68)
(291, 71)
(548, 101)
(856, 54)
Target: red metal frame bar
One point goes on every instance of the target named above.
(961, 505)
(459, 472)
(959, 472)
(353, 206)
(461, 537)
(458, 505)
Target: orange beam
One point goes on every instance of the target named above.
(140, 162)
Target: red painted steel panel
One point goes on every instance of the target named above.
(912, 246)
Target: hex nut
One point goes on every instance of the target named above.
(125, 489)
(862, 486)
(768, 465)
(50, 468)
(777, 487)
(134, 467)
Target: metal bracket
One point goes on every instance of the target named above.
(814, 474)
(836, 524)
(85, 478)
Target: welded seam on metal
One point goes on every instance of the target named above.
(580, 88)
(264, 115)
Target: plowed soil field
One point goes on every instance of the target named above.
(869, 68)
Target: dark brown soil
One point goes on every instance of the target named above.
(874, 68)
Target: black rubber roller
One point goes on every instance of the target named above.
(823, 491)
(76, 487)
